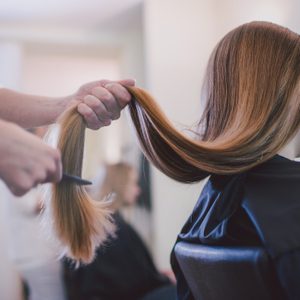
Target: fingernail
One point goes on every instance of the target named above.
(108, 85)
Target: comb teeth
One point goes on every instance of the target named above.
(75, 179)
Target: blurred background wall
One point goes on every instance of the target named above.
(51, 47)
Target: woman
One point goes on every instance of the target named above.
(123, 269)
(252, 94)
(252, 112)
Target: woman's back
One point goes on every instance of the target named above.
(257, 207)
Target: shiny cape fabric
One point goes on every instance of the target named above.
(257, 207)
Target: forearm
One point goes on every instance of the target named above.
(30, 110)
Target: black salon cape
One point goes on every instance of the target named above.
(122, 270)
(257, 207)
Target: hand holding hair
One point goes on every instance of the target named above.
(101, 102)
(25, 160)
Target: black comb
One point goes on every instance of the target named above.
(75, 179)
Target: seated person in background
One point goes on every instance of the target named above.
(124, 268)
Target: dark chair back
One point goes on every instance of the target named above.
(228, 273)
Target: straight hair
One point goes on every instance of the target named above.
(252, 110)
(80, 223)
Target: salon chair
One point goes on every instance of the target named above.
(228, 273)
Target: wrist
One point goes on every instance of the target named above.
(69, 101)
(62, 104)
(5, 125)
(7, 136)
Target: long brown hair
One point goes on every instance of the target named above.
(252, 111)
(80, 222)
(252, 107)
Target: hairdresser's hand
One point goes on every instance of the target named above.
(26, 160)
(101, 102)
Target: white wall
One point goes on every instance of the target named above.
(10, 62)
(10, 284)
(178, 39)
(228, 14)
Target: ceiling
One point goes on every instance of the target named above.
(67, 13)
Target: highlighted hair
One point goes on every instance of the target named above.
(252, 110)
(81, 223)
